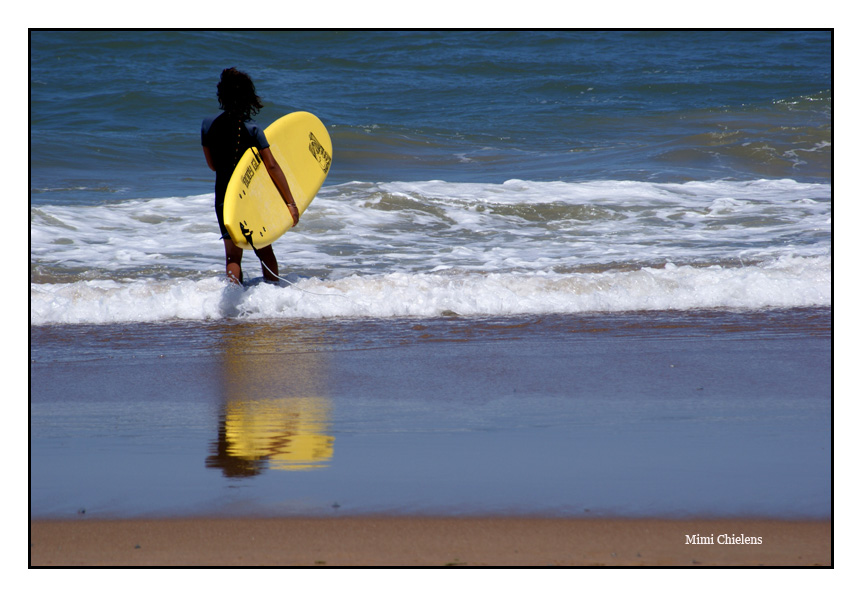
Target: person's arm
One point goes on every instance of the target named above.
(281, 182)
(209, 158)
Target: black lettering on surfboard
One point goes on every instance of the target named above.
(319, 153)
(247, 176)
(252, 168)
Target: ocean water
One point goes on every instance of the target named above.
(557, 272)
(480, 173)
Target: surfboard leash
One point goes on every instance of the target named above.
(293, 284)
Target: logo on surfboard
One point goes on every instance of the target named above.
(319, 153)
(252, 168)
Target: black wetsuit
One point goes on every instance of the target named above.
(227, 139)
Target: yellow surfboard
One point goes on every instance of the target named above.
(255, 214)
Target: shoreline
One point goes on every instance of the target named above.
(425, 541)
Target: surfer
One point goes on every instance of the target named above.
(225, 138)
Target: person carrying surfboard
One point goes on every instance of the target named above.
(225, 138)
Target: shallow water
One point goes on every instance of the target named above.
(713, 413)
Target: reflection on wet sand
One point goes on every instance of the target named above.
(275, 414)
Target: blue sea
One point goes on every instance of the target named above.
(540, 191)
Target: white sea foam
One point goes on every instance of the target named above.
(426, 248)
(788, 282)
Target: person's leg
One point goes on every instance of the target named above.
(269, 265)
(233, 261)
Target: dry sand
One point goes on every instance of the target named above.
(427, 541)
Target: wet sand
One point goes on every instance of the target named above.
(428, 542)
(589, 441)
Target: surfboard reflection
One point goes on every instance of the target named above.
(286, 434)
(273, 417)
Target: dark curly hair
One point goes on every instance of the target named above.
(236, 93)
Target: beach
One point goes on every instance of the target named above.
(567, 439)
(566, 293)
(430, 542)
